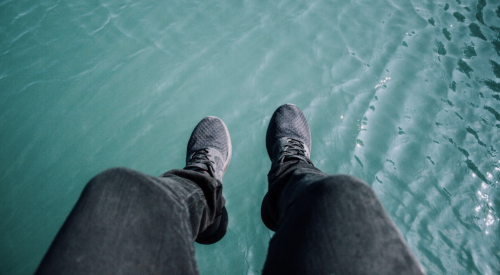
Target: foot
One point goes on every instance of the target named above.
(209, 148)
(288, 136)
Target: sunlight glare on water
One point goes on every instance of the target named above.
(402, 94)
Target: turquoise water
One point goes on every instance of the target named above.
(402, 94)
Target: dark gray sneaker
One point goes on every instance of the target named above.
(209, 148)
(288, 136)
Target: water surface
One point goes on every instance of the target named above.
(402, 94)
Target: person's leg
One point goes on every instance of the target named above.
(324, 224)
(126, 222)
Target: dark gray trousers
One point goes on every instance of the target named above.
(126, 222)
(331, 225)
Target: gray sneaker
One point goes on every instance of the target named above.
(209, 148)
(288, 136)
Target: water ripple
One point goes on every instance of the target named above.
(404, 95)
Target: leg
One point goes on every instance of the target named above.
(126, 222)
(333, 225)
(324, 224)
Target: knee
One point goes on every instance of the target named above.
(340, 186)
(113, 178)
(350, 182)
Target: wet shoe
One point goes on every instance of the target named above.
(288, 138)
(209, 148)
(209, 151)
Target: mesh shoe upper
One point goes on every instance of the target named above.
(209, 143)
(287, 123)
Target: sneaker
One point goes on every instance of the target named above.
(209, 148)
(288, 136)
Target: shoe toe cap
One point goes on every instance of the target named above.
(210, 132)
(288, 121)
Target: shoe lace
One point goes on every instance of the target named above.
(202, 156)
(294, 150)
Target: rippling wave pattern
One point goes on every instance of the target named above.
(402, 94)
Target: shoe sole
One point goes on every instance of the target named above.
(229, 148)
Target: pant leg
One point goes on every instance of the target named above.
(331, 225)
(126, 222)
